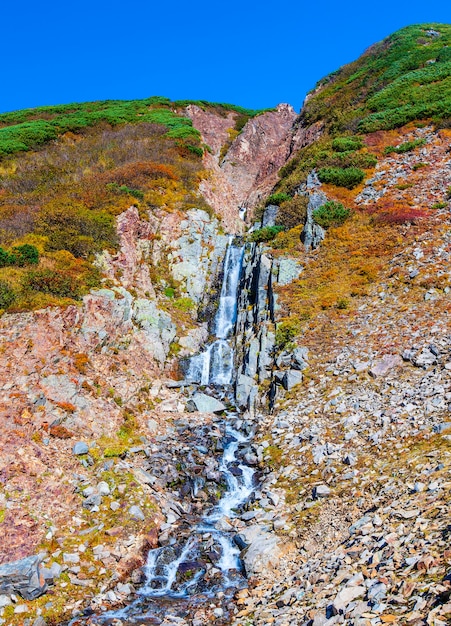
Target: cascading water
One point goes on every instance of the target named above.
(176, 572)
(215, 364)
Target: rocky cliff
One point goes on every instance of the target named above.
(247, 172)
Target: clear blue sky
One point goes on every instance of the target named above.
(255, 54)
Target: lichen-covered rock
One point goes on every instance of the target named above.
(287, 270)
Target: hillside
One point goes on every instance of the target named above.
(117, 256)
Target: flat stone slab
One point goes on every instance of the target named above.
(23, 577)
(205, 404)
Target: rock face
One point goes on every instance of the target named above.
(313, 234)
(68, 374)
(252, 162)
(249, 169)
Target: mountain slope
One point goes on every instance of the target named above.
(358, 455)
(354, 462)
(406, 76)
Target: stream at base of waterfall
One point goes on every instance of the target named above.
(201, 561)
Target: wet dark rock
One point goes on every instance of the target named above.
(242, 545)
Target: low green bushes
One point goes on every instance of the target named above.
(363, 160)
(277, 198)
(286, 331)
(25, 130)
(19, 256)
(347, 144)
(407, 146)
(331, 214)
(268, 233)
(136, 193)
(348, 177)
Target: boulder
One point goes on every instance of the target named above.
(136, 513)
(346, 596)
(321, 491)
(23, 577)
(382, 366)
(299, 360)
(263, 552)
(204, 404)
(288, 270)
(291, 379)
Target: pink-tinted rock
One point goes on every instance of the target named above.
(382, 366)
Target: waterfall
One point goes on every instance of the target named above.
(215, 364)
(205, 560)
(227, 309)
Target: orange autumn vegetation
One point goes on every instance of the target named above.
(64, 199)
(338, 275)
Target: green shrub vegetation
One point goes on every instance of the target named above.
(322, 155)
(348, 177)
(268, 233)
(184, 304)
(30, 128)
(286, 331)
(347, 144)
(331, 214)
(136, 193)
(407, 146)
(277, 198)
(19, 256)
